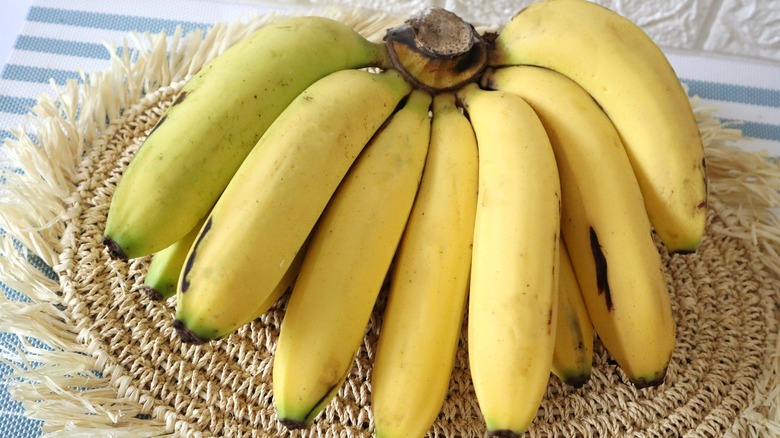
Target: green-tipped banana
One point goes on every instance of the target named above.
(217, 118)
(514, 271)
(604, 223)
(573, 355)
(631, 79)
(272, 203)
(429, 284)
(348, 259)
(165, 268)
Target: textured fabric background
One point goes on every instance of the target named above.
(728, 52)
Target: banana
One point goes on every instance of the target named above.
(631, 79)
(351, 250)
(162, 276)
(604, 224)
(275, 198)
(429, 284)
(573, 354)
(199, 143)
(164, 270)
(515, 262)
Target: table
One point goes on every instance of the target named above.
(47, 41)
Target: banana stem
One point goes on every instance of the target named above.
(437, 51)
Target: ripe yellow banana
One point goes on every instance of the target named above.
(515, 261)
(573, 355)
(631, 79)
(429, 284)
(201, 140)
(604, 224)
(351, 250)
(272, 203)
(164, 270)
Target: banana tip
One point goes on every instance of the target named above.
(578, 381)
(151, 293)
(114, 250)
(503, 433)
(186, 335)
(292, 424)
(649, 382)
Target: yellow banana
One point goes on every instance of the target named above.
(201, 140)
(604, 224)
(429, 283)
(164, 270)
(631, 79)
(515, 261)
(272, 203)
(347, 261)
(573, 354)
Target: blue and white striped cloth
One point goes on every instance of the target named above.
(59, 38)
(744, 91)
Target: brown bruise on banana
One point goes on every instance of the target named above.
(550, 321)
(437, 51)
(602, 280)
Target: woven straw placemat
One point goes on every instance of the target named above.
(723, 304)
(123, 370)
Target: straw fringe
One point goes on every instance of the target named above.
(747, 185)
(70, 385)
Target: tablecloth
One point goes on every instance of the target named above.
(61, 39)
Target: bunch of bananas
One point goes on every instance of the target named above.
(305, 158)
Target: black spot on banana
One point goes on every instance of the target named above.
(601, 268)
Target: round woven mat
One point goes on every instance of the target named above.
(722, 298)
